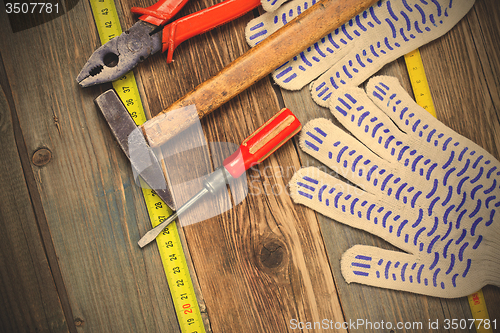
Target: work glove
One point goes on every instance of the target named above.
(351, 54)
(415, 183)
(272, 5)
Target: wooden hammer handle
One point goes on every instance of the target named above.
(319, 20)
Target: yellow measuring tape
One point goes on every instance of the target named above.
(169, 243)
(419, 82)
(423, 98)
(175, 265)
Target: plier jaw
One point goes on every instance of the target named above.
(120, 55)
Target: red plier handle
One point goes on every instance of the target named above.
(161, 12)
(193, 24)
(203, 21)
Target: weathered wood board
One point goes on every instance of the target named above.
(30, 299)
(465, 90)
(87, 192)
(71, 263)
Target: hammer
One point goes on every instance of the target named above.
(320, 19)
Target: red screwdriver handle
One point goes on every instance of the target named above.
(203, 21)
(263, 142)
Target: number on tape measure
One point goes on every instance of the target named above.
(126, 88)
(169, 243)
(108, 25)
(175, 265)
(106, 19)
(480, 313)
(419, 82)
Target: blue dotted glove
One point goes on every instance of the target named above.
(357, 50)
(272, 5)
(419, 185)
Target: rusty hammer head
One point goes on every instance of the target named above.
(131, 140)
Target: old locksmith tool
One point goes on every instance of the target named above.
(254, 149)
(255, 64)
(146, 37)
(320, 19)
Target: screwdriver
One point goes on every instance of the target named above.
(254, 149)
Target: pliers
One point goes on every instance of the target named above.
(149, 35)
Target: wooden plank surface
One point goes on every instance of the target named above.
(260, 264)
(92, 205)
(30, 300)
(464, 84)
(483, 29)
(264, 263)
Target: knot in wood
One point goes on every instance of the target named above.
(41, 157)
(272, 253)
(79, 322)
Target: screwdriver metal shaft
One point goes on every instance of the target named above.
(254, 149)
(153, 233)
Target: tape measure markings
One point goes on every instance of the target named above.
(127, 90)
(106, 19)
(169, 242)
(480, 313)
(423, 97)
(175, 265)
(419, 82)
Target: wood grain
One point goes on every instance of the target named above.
(30, 300)
(261, 263)
(94, 210)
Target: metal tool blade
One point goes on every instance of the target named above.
(120, 55)
(134, 145)
(214, 182)
(153, 233)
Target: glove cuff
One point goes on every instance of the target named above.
(491, 261)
